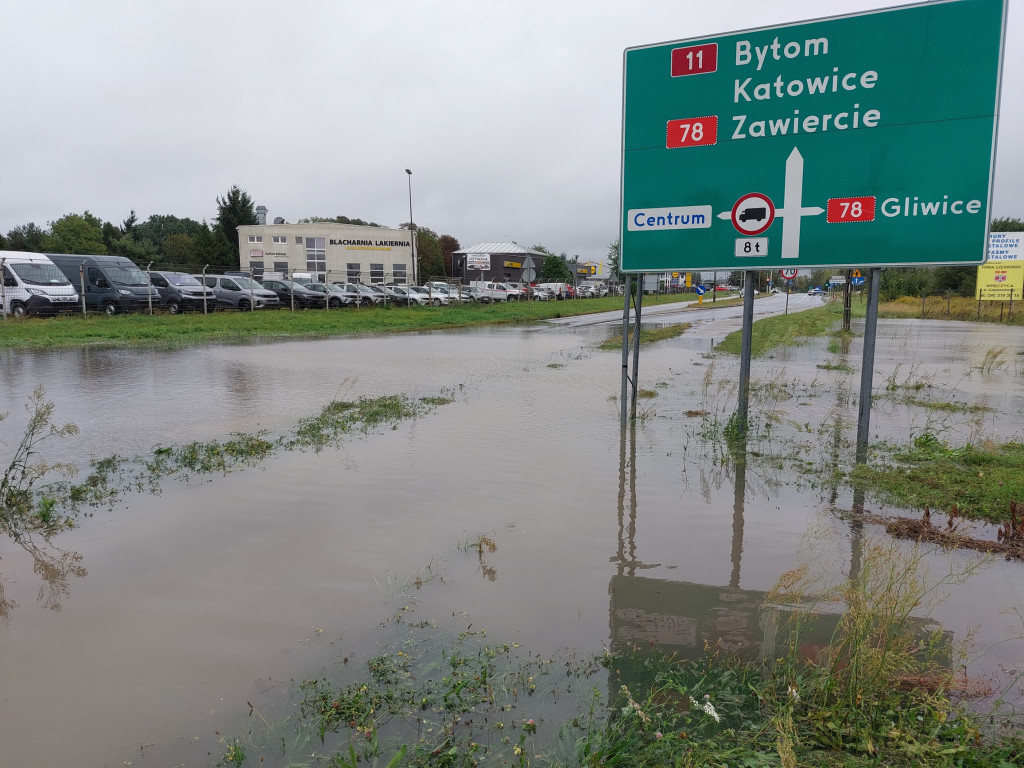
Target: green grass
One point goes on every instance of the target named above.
(647, 336)
(769, 333)
(195, 328)
(981, 479)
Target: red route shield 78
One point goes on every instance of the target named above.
(692, 132)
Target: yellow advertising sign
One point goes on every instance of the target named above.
(1000, 281)
(514, 264)
(689, 280)
(1001, 277)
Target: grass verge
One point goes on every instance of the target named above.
(770, 333)
(186, 329)
(647, 335)
(981, 480)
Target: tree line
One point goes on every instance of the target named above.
(171, 242)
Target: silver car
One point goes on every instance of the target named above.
(240, 292)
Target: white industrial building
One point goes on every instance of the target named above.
(329, 252)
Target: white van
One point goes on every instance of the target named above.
(32, 284)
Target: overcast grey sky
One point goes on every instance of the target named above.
(508, 112)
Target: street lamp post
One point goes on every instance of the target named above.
(412, 230)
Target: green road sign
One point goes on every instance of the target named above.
(862, 140)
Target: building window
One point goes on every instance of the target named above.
(281, 267)
(280, 240)
(316, 254)
(255, 238)
(256, 267)
(353, 272)
(298, 239)
(399, 272)
(376, 273)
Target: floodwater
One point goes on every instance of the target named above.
(138, 636)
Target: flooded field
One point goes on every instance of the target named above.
(139, 637)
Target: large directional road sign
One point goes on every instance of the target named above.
(865, 139)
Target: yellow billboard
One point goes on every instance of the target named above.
(1000, 281)
(1001, 277)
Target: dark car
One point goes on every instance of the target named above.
(180, 292)
(295, 294)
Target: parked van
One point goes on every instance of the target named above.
(32, 284)
(180, 292)
(112, 284)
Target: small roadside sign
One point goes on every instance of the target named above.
(788, 274)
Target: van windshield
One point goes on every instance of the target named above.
(180, 278)
(39, 274)
(126, 275)
(247, 283)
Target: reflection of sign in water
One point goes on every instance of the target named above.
(478, 261)
(682, 617)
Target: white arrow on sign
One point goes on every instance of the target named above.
(792, 205)
(792, 209)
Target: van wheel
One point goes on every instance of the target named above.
(436, 302)
(110, 309)
(173, 307)
(243, 305)
(18, 309)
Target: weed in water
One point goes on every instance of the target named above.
(27, 469)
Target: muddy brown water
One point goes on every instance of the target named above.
(139, 635)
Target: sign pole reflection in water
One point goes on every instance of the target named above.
(867, 368)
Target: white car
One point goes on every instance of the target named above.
(435, 296)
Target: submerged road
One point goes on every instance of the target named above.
(727, 318)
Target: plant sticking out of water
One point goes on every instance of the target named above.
(884, 685)
(647, 336)
(483, 545)
(345, 417)
(429, 700)
(114, 475)
(995, 358)
(852, 673)
(20, 509)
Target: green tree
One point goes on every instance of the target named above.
(75, 233)
(449, 245)
(234, 210)
(613, 261)
(555, 270)
(429, 258)
(27, 237)
(180, 251)
(208, 249)
(341, 220)
(1007, 225)
(158, 228)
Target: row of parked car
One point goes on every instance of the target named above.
(48, 283)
